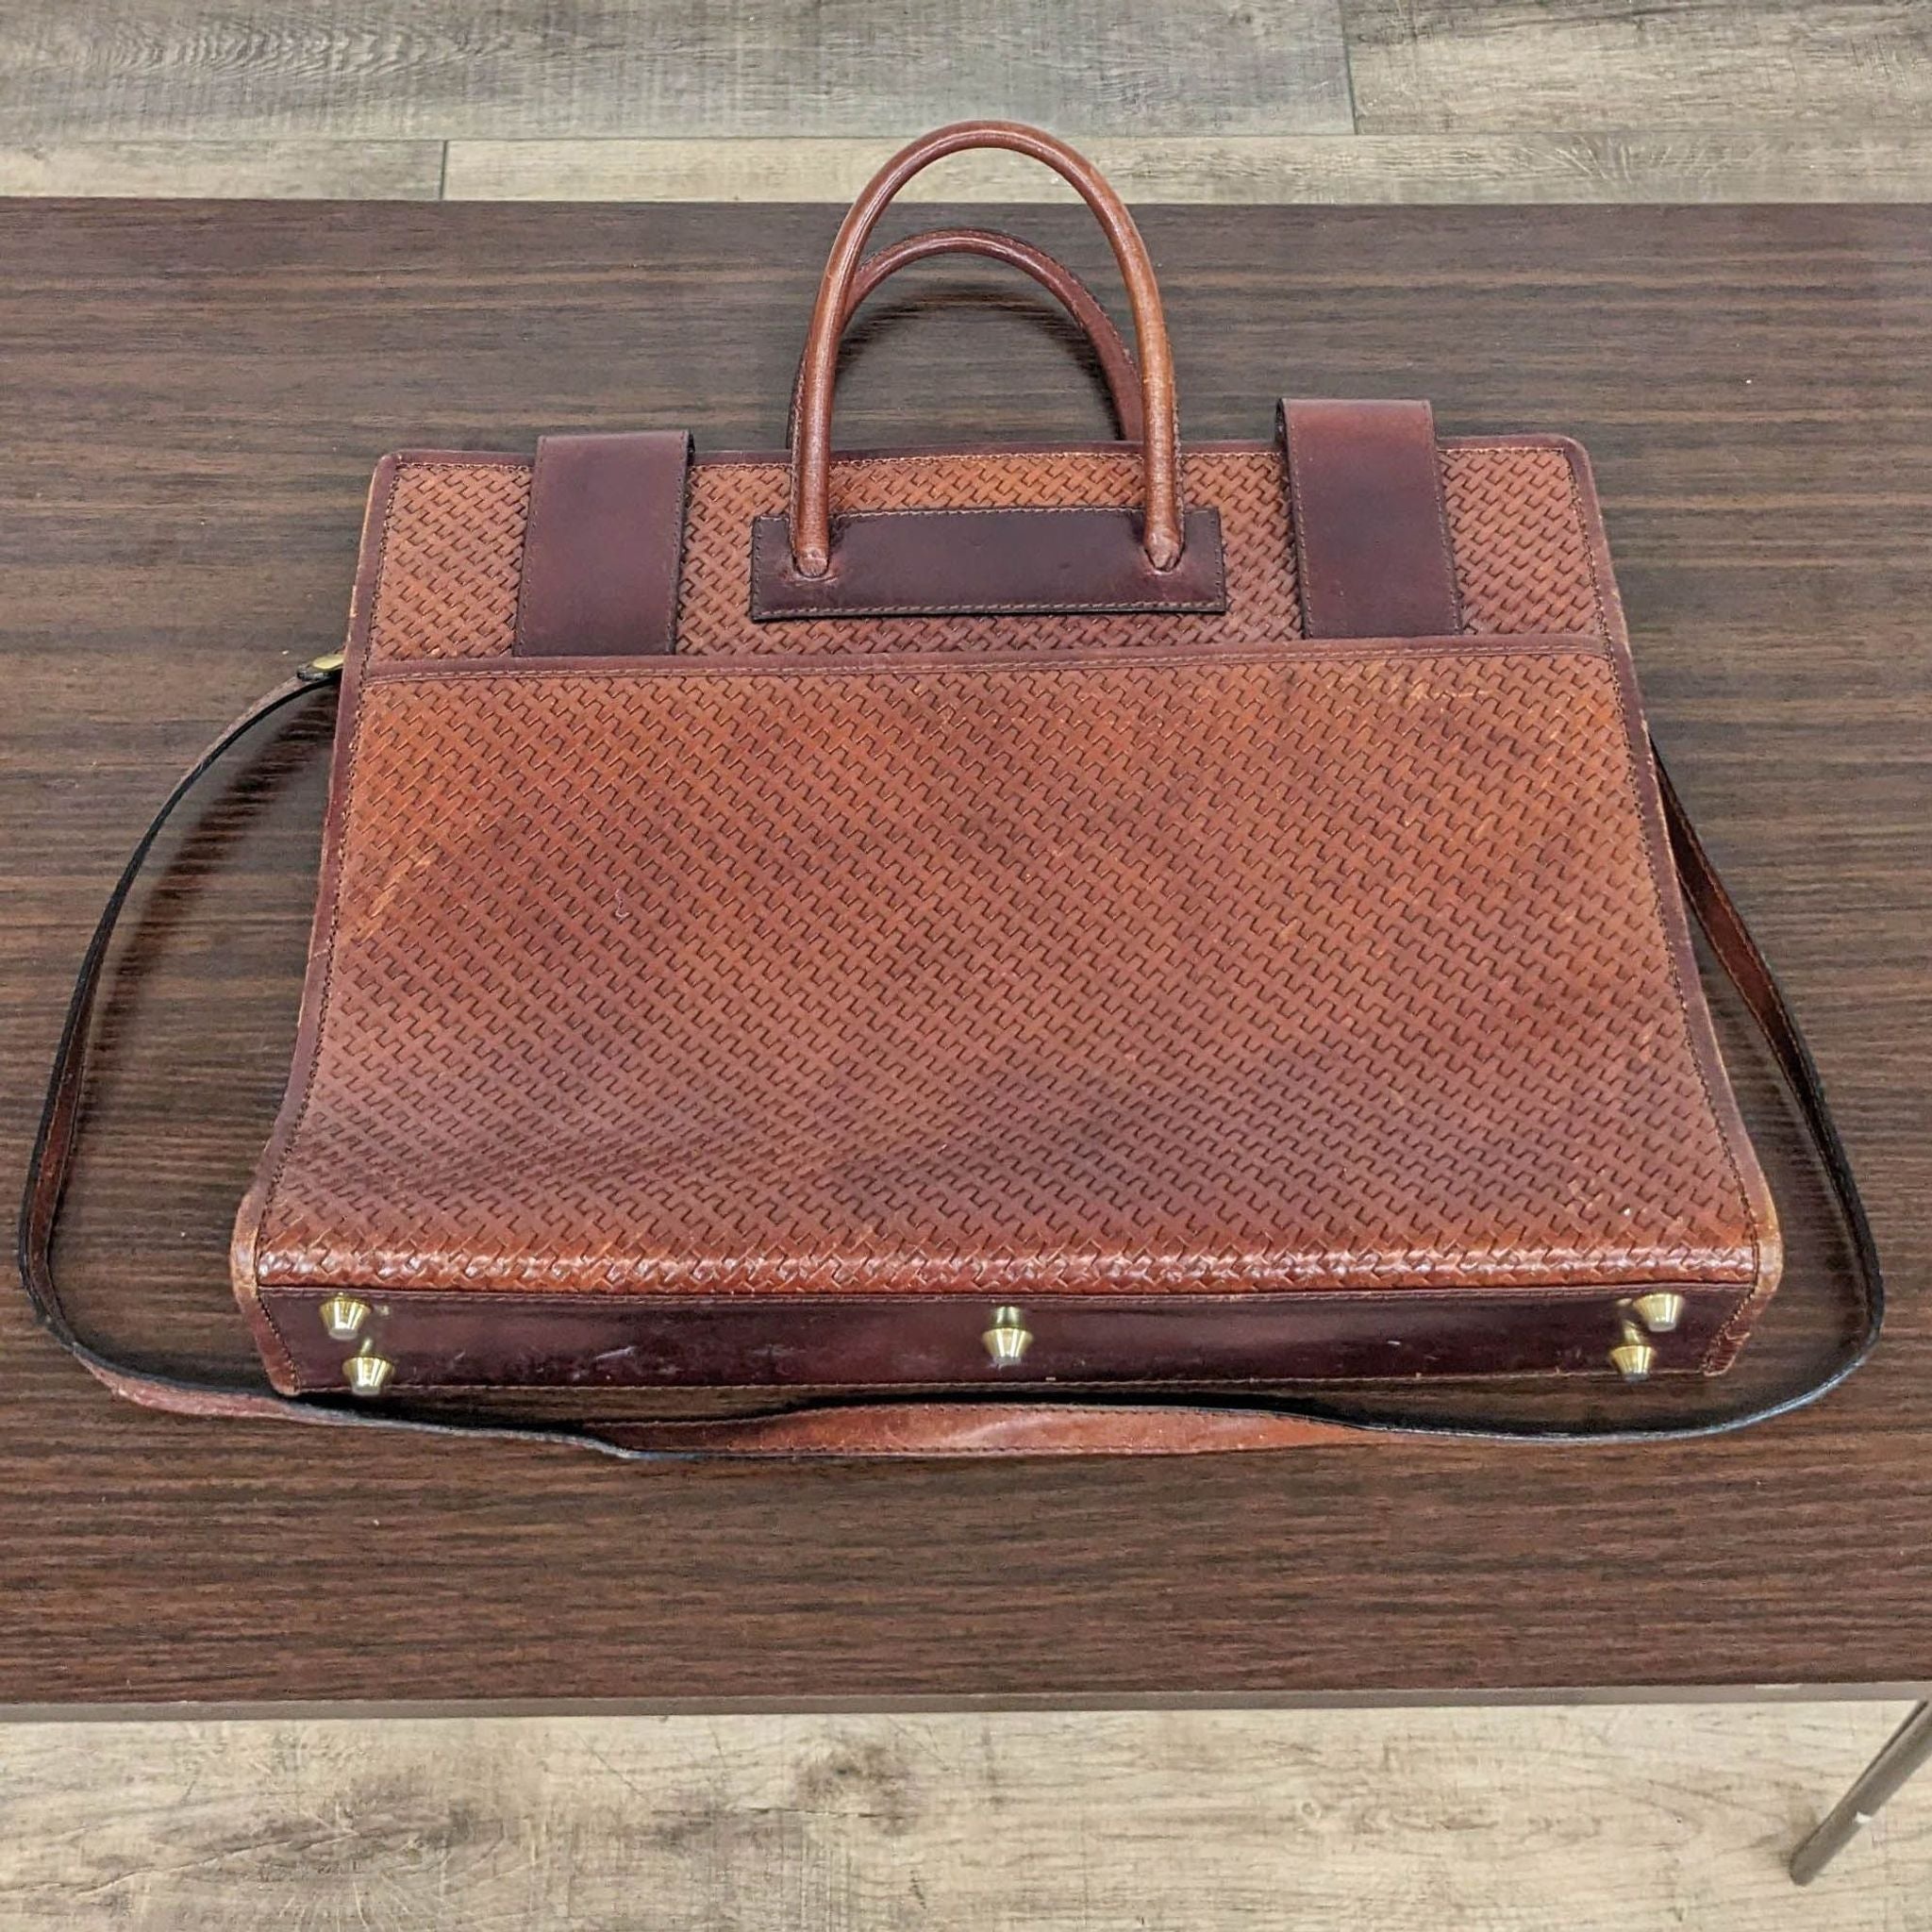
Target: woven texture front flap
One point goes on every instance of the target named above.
(1304, 969)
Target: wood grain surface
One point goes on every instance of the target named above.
(276, 170)
(1284, 100)
(1712, 164)
(194, 396)
(201, 70)
(1455, 66)
(1408, 1821)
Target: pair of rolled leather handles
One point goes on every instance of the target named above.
(1141, 388)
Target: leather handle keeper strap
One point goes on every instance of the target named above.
(1118, 368)
(857, 1425)
(602, 546)
(810, 515)
(1372, 554)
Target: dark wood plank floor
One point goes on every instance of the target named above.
(1273, 100)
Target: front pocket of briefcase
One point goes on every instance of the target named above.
(1340, 969)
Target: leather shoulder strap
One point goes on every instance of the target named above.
(859, 1425)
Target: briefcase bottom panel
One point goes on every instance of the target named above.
(379, 1341)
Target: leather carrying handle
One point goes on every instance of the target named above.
(854, 1426)
(1117, 364)
(810, 515)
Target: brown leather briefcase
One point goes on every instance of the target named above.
(994, 949)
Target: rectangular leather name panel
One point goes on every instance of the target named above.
(965, 562)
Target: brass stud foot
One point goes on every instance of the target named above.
(342, 1315)
(1008, 1339)
(1633, 1360)
(1659, 1311)
(366, 1373)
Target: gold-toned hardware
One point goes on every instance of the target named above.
(1659, 1311)
(342, 1315)
(326, 666)
(1008, 1339)
(1633, 1358)
(368, 1372)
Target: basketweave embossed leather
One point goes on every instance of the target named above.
(1084, 923)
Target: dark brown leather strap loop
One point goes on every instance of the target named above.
(1373, 555)
(858, 1425)
(602, 546)
(811, 447)
(1117, 364)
